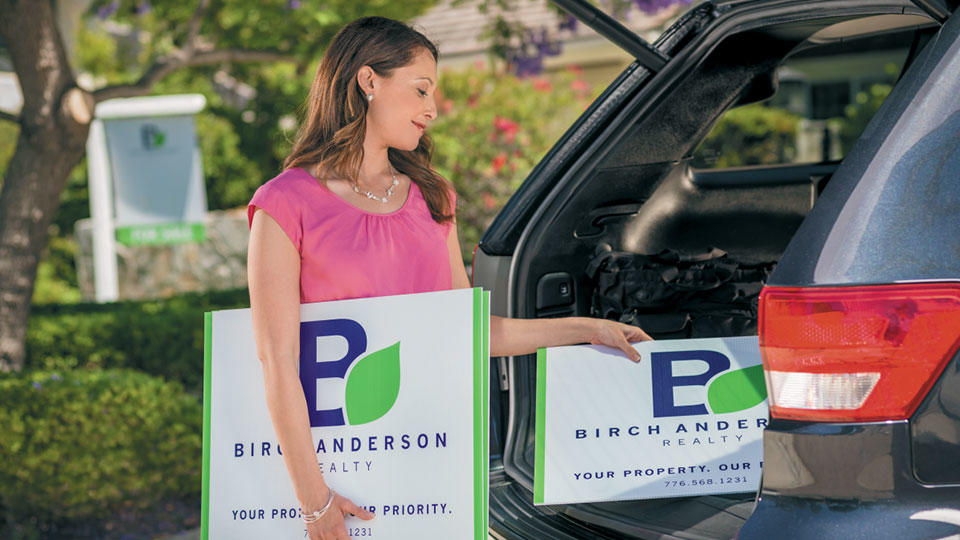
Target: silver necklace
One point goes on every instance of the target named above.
(393, 186)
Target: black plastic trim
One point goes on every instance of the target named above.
(608, 27)
(938, 9)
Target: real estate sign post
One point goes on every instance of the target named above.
(146, 179)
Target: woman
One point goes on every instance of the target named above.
(358, 212)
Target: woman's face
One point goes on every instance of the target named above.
(403, 104)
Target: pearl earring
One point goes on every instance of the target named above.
(369, 97)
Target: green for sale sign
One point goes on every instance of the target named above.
(397, 396)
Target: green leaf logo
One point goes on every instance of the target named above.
(737, 390)
(373, 385)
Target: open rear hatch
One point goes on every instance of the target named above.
(617, 212)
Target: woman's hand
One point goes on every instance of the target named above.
(331, 526)
(511, 337)
(618, 335)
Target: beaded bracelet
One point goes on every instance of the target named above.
(314, 517)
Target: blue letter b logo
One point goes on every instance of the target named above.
(664, 381)
(312, 369)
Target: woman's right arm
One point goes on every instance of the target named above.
(273, 273)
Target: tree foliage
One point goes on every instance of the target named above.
(492, 129)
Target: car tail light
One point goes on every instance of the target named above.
(856, 353)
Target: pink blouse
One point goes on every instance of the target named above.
(346, 252)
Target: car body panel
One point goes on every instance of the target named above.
(890, 213)
(934, 430)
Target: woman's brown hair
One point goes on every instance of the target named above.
(331, 136)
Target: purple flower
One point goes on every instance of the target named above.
(56, 377)
(545, 46)
(108, 10)
(549, 48)
(527, 60)
(526, 66)
(653, 6)
(144, 7)
(569, 23)
(37, 386)
(293, 4)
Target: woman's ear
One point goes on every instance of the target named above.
(365, 79)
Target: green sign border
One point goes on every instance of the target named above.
(207, 404)
(540, 440)
(196, 234)
(481, 410)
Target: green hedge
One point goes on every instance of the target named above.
(750, 135)
(159, 337)
(79, 446)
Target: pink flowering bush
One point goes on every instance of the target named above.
(493, 127)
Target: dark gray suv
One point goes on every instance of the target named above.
(640, 214)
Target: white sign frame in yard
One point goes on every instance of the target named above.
(146, 179)
(688, 420)
(398, 395)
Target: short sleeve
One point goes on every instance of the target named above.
(274, 201)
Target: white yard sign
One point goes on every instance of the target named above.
(688, 420)
(397, 393)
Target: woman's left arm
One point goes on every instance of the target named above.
(509, 337)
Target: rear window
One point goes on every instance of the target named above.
(826, 95)
(891, 212)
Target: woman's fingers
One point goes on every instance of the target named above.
(349, 508)
(332, 526)
(622, 344)
(635, 334)
(620, 336)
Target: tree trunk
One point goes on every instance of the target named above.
(54, 123)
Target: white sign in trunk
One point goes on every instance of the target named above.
(397, 393)
(688, 420)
